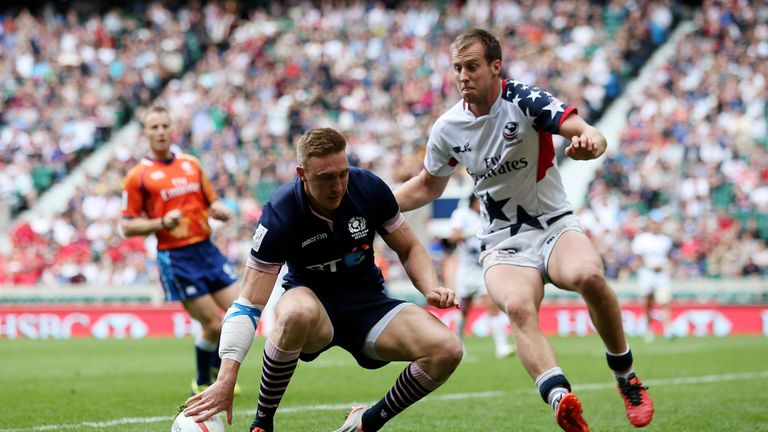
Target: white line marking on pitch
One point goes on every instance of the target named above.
(333, 407)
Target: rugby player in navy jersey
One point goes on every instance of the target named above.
(323, 227)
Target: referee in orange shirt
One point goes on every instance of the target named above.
(169, 195)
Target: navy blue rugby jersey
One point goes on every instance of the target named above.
(320, 257)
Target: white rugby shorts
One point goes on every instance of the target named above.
(530, 248)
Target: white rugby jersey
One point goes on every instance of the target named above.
(469, 223)
(510, 155)
(654, 248)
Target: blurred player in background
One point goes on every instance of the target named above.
(652, 249)
(323, 226)
(465, 224)
(169, 195)
(501, 131)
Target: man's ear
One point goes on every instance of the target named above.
(301, 173)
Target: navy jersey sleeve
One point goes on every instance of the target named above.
(269, 240)
(382, 204)
(545, 111)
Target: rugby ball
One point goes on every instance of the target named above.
(183, 423)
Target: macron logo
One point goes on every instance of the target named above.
(314, 239)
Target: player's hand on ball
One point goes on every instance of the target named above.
(442, 298)
(213, 400)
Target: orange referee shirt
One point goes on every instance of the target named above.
(154, 187)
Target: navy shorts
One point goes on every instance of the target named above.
(192, 271)
(355, 315)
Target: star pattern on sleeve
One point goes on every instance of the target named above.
(534, 95)
(539, 106)
(554, 107)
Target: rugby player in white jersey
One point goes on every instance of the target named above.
(501, 131)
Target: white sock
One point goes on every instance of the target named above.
(555, 396)
(624, 374)
(556, 393)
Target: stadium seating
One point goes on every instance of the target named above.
(74, 77)
(696, 153)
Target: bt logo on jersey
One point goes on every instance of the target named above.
(330, 266)
(349, 260)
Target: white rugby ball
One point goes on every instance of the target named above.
(183, 423)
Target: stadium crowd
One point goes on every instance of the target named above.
(70, 78)
(695, 154)
(382, 75)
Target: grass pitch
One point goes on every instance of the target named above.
(698, 384)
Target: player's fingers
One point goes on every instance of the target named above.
(452, 301)
(229, 414)
(192, 399)
(435, 299)
(576, 141)
(455, 303)
(192, 410)
(592, 144)
(205, 415)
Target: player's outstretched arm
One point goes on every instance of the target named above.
(586, 141)
(216, 398)
(418, 266)
(237, 334)
(420, 190)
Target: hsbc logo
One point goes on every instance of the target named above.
(703, 322)
(119, 326)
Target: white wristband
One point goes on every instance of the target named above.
(238, 330)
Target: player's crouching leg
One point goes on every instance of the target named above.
(436, 352)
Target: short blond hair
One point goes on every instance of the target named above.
(153, 109)
(319, 142)
(490, 43)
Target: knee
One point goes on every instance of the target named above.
(590, 282)
(446, 356)
(211, 327)
(294, 318)
(520, 313)
(452, 352)
(215, 327)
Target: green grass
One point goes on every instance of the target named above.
(699, 384)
